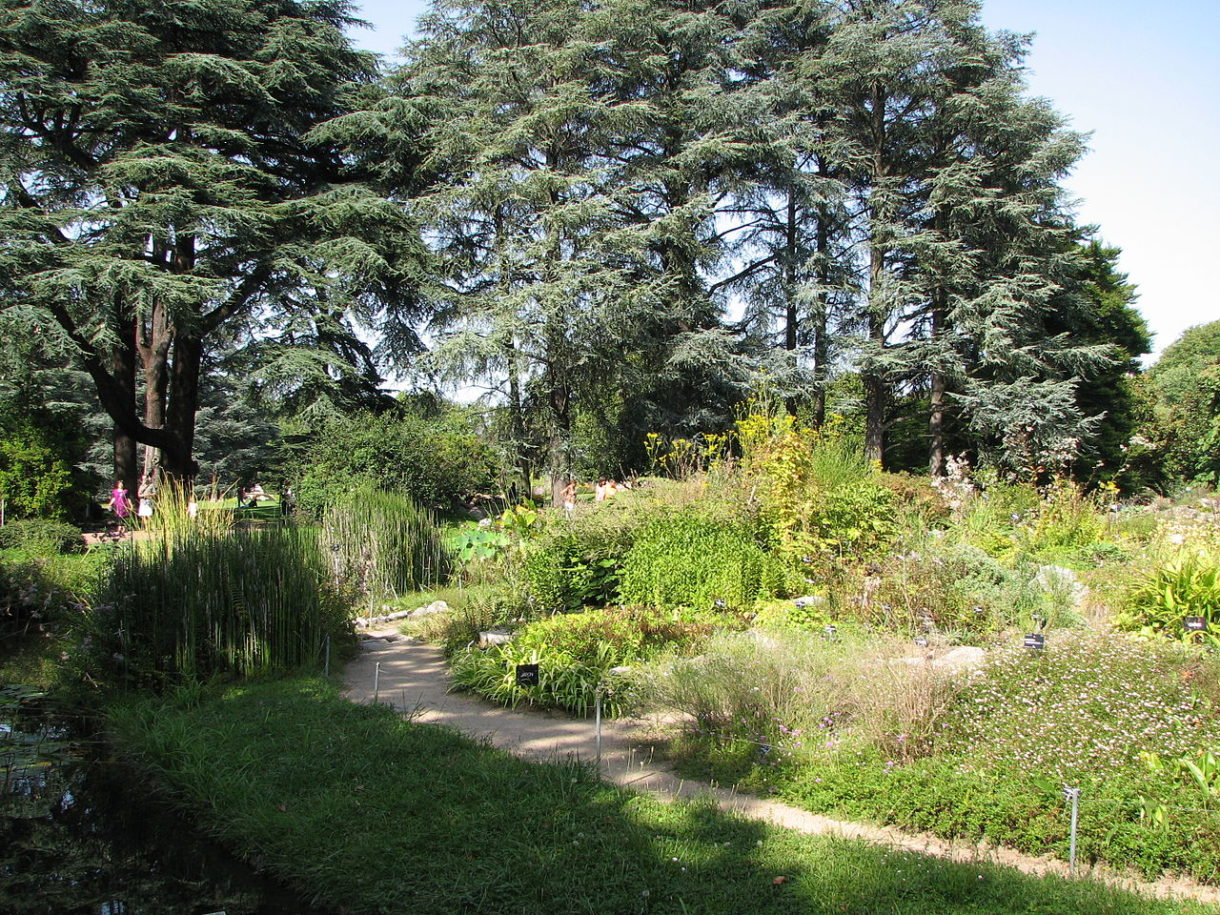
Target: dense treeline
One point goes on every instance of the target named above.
(616, 218)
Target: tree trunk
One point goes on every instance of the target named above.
(561, 440)
(176, 457)
(155, 337)
(792, 316)
(876, 390)
(821, 336)
(123, 371)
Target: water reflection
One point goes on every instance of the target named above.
(78, 835)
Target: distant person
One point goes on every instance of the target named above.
(120, 502)
(148, 489)
(569, 496)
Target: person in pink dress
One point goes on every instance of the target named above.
(120, 502)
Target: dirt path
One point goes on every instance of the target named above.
(411, 677)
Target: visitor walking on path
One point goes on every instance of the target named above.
(120, 502)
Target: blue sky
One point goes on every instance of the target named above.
(1144, 79)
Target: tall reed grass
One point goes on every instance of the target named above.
(382, 545)
(192, 602)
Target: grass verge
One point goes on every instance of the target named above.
(376, 814)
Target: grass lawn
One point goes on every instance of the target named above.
(375, 814)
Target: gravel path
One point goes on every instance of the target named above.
(412, 677)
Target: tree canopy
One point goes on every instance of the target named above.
(617, 217)
(161, 188)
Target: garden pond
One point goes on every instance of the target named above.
(79, 834)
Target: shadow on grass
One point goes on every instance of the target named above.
(376, 814)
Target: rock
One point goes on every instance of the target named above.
(487, 639)
(962, 657)
(437, 606)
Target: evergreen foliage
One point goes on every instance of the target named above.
(1185, 392)
(160, 186)
(867, 187)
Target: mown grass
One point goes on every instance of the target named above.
(376, 814)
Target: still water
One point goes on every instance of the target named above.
(79, 834)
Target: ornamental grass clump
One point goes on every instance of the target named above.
(381, 545)
(192, 604)
(1083, 709)
(754, 694)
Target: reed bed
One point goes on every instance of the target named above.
(381, 545)
(191, 602)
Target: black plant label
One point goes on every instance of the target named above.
(1194, 623)
(1035, 640)
(527, 674)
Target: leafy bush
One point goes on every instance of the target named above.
(820, 497)
(1067, 523)
(688, 561)
(570, 570)
(578, 561)
(40, 452)
(439, 465)
(381, 545)
(575, 654)
(1188, 585)
(40, 537)
(473, 541)
(194, 604)
(992, 518)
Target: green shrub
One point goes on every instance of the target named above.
(40, 537)
(1188, 585)
(473, 541)
(1067, 524)
(41, 451)
(854, 521)
(578, 561)
(436, 463)
(688, 561)
(991, 519)
(41, 593)
(575, 653)
(190, 605)
(382, 545)
(567, 571)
